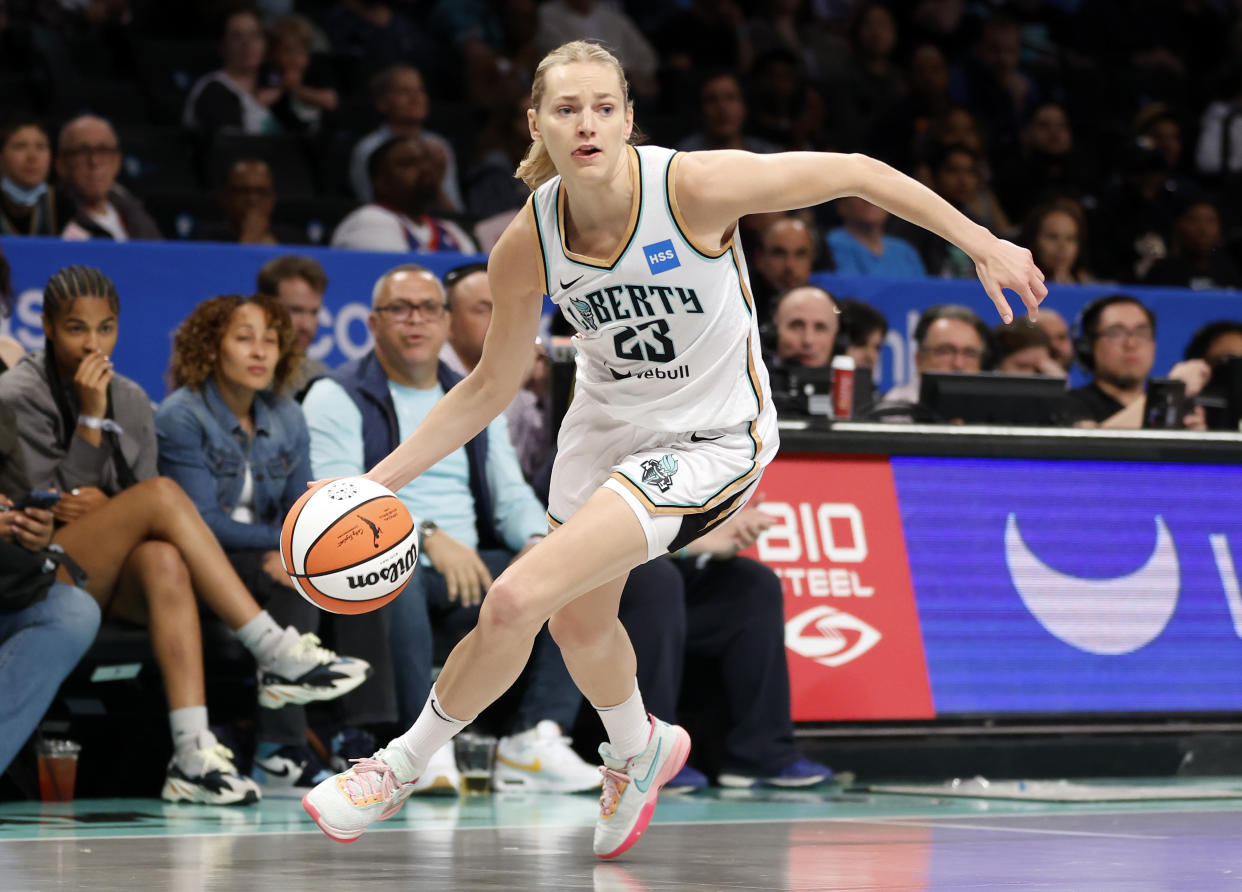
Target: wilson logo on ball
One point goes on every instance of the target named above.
(394, 571)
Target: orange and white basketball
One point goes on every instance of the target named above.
(349, 545)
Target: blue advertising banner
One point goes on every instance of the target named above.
(159, 282)
(1075, 586)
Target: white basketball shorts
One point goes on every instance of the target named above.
(679, 485)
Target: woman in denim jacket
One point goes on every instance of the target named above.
(242, 454)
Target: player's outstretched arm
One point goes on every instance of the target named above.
(714, 189)
(515, 273)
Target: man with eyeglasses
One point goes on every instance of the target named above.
(476, 514)
(948, 338)
(1115, 339)
(88, 161)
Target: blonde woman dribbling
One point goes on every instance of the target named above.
(672, 423)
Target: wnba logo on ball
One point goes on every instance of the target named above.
(394, 571)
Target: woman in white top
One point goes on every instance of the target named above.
(672, 423)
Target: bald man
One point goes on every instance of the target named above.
(784, 260)
(806, 322)
(88, 160)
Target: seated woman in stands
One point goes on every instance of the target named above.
(90, 434)
(242, 454)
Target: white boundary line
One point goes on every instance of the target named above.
(930, 821)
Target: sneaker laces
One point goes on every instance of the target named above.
(308, 647)
(217, 758)
(370, 777)
(615, 783)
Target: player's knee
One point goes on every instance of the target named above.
(572, 632)
(508, 607)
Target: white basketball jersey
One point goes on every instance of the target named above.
(667, 336)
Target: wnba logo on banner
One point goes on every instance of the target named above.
(851, 629)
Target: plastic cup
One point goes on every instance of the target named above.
(474, 754)
(58, 769)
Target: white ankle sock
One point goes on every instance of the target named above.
(262, 637)
(627, 725)
(187, 723)
(432, 730)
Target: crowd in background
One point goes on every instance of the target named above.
(1106, 136)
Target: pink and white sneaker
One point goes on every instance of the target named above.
(346, 804)
(632, 787)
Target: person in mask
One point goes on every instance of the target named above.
(28, 205)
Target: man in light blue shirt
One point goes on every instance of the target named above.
(474, 510)
(860, 246)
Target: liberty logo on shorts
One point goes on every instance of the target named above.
(661, 256)
(585, 312)
(660, 473)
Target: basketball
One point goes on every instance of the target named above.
(349, 545)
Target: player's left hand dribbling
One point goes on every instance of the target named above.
(1004, 265)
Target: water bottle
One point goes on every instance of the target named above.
(842, 387)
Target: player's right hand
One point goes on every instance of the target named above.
(464, 572)
(1002, 265)
(91, 382)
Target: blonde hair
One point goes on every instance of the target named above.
(537, 167)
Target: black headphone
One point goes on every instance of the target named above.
(1088, 320)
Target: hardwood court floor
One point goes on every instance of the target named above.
(818, 840)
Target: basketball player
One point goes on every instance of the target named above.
(672, 423)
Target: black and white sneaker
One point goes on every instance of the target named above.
(303, 671)
(288, 773)
(208, 776)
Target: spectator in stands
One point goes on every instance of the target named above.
(955, 176)
(233, 98)
(378, 33)
(248, 198)
(1132, 232)
(722, 118)
(897, 136)
(494, 41)
(1046, 166)
(493, 194)
(871, 83)
(28, 205)
(90, 433)
(400, 96)
(861, 245)
(298, 283)
(1215, 342)
(242, 455)
(1219, 152)
(88, 161)
(957, 126)
(1157, 125)
(11, 349)
(996, 88)
(784, 259)
(1054, 325)
(304, 91)
(787, 109)
(405, 177)
(947, 338)
(1023, 348)
(560, 21)
(1196, 259)
(863, 328)
(1056, 236)
(1115, 340)
(812, 48)
(469, 298)
(45, 627)
(475, 514)
(806, 321)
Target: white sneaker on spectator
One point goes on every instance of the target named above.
(441, 777)
(541, 761)
(303, 671)
(208, 775)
